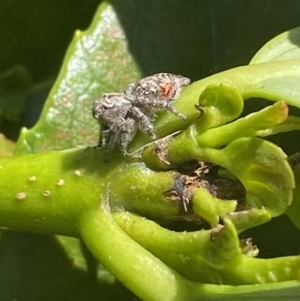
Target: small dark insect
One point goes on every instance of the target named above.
(120, 115)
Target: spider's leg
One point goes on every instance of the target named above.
(127, 134)
(170, 108)
(104, 134)
(130, 92)
(144, 122)
(108, 142)
(160, 104)
(154, 103)
(109, 137)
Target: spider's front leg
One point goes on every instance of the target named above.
(145, 124)
(103, 136)
(130, 92)
(127, 133)
(107, 140)
(160, 104)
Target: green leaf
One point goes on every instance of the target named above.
(263, 169)
(91, 67)
(283, 47)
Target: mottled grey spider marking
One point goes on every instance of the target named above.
(119, 121)
(156, 92)
(120, 115)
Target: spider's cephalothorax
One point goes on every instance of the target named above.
(156, 92)
(119, 121)
(120, 115)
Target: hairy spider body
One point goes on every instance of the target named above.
(119, 121)
(156, 92)
(120, 115)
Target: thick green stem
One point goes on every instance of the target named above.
(218, 258)
(152, 280)
(140, 271)
(216, 246)
(48, 192)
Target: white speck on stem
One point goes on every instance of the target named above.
(32, 179)
(21, 196)
(77, 172)
(60, 182)
(47, 193)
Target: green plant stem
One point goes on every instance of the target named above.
(211, 245)
(46, 207)
(148, 277)
(140, 271)
(221, 259)
(48, 192)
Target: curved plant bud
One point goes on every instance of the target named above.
(210, 130)
(246, 126)
(216, 247)
(246, 269)
(247, 219)
(263, 169)
(211, 208)
(218, 104)
(261, 166)
(292, 123)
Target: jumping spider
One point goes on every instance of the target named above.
(119, 121)
(121, 114)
